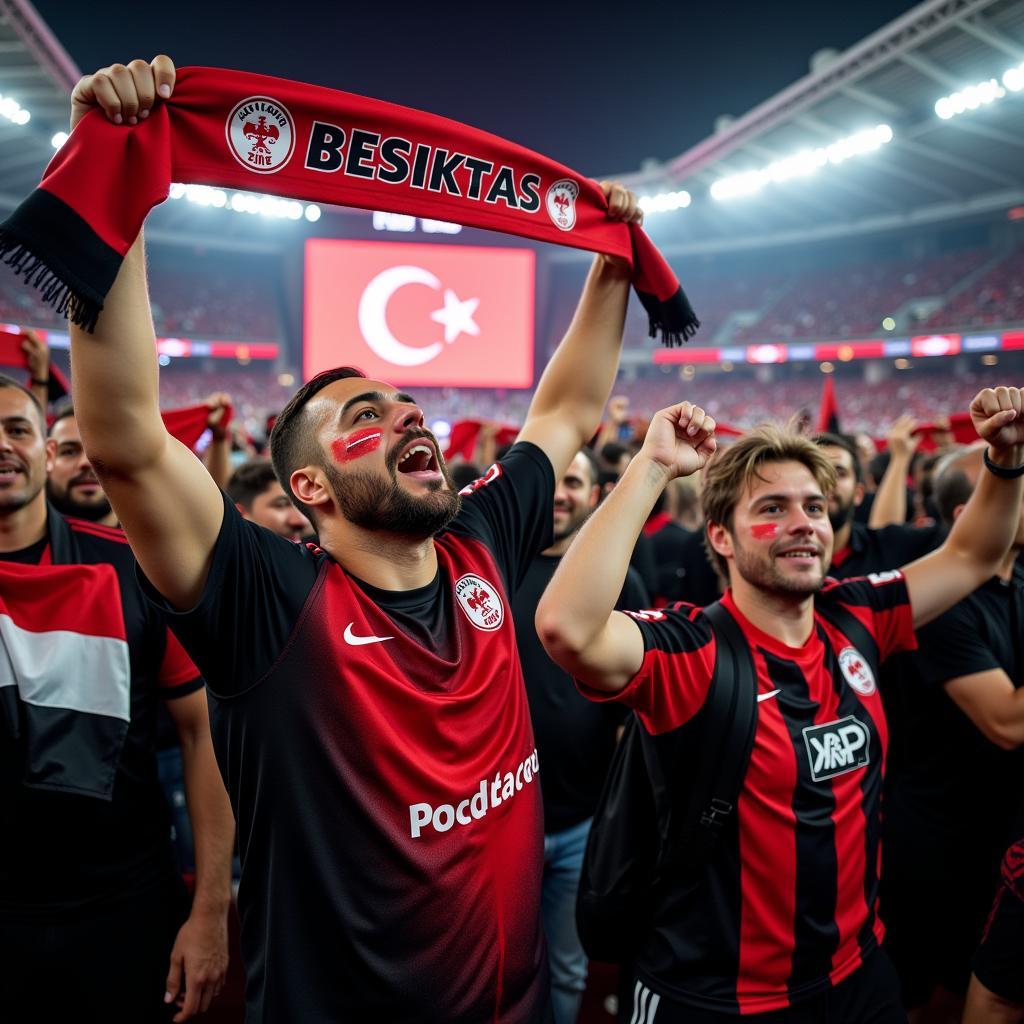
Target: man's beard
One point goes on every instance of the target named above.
(572, 525)
(92, 511)
(840, 515)
(763, 574)
(373, 503)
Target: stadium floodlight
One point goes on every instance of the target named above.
(13, 110)
(663, 202)
(981, 94)
(246, 202)
(58, 139)
(801, 164)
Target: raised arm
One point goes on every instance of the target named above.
(167, 503)
(566, 409)
(984, 531)
(575, 617)
(890, 504)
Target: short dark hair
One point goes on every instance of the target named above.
(249, 481)
(847, 444)
(10, 382)
(65, 412)
(292, 441)
(612, 453)
(593, 464)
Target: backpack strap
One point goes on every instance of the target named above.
(842, 619)
(728, 723)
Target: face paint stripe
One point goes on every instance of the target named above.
(356, 445)
(764, 531)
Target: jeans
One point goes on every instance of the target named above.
(563, 860)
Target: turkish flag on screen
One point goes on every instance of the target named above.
(413, 314)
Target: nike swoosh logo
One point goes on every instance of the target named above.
(358, 641)
(765, 696)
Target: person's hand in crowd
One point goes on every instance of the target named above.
(126, 93)
(199, 965)
(680, 439)
(903, 439)
(37, 354)
(996, 415)
(219, 402)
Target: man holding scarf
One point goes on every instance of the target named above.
(367, 700)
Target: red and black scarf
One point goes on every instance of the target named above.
(237, 130)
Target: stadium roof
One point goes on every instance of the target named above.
(932, 169)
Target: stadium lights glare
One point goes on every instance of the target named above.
(981, 94)
(662, 202)
(807, 161)
(59, 138)
(13, 110)
(246, 202)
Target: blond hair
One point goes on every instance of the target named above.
(734, 469)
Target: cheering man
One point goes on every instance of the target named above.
(784, 915)
(367, 700)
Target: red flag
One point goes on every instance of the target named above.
(828, 413)
(189, 424)
(462, 439)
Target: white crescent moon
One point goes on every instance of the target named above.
(373, 316)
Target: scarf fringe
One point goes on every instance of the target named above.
(52, 289)
(672, 339)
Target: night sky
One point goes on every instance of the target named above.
(599, 88)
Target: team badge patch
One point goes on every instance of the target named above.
(482, 481)
(561, 203)
(260, 134)
(857, 671)
(480, 601)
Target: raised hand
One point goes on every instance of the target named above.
(902, 439)
(996, 414)
(124, 92)
(37, 354)
(680, 439)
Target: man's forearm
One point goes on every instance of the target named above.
(579, 377)
(589, 578)
(985, 529)
(116, 376)
(890, 504)
(213, 826)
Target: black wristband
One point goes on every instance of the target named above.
(1010, 473)
(41, 383)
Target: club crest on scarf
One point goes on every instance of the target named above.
(260, 134)
(561, 203)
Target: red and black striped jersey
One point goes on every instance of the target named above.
(788, 904)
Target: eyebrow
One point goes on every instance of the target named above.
(17, 420)
(787, 497)
(376, 396)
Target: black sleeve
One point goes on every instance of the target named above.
(257, 586)
(954, 645)
(510, 509)
(903, 543)
(634, 594)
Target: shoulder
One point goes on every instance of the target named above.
(680, 628)
(875, 590)
(523, 459)
(96, 543)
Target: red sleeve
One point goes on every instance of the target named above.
(881, 600)
(178, 676)
(673, 681)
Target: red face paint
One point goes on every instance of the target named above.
(356, 445)
(764, 531)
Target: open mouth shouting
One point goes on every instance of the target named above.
(419, 461)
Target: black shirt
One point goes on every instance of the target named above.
(575, 737)
(884, 549)
(63, 852)
(951, 807)
(385, 784)
(685, 572)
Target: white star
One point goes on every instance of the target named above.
(457, 316)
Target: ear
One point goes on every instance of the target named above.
(858, 495)
(309, 485)
(958, 510)
(242, 510)
(595, 497)
(51, 455)
(721, 539)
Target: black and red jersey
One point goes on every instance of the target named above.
(84, 661)
(384, 777)
(787, 905)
